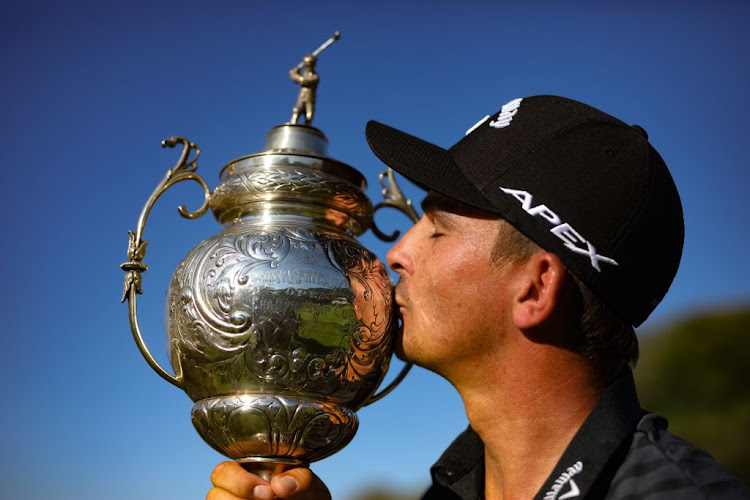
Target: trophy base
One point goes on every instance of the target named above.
(269, 467)
(263, 430)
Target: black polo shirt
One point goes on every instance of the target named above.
(620, 452)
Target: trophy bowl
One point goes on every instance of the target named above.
(280, 327)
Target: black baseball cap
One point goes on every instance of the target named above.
(577, 181)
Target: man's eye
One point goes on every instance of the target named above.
(436, 235)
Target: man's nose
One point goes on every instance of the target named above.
(399, 257)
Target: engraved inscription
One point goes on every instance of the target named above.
(298, 277)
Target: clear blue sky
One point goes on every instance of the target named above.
(89, 89)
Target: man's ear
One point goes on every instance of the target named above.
(542, 281)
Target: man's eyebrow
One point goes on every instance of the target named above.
(439, 204)
(436, 202)
(440, 208)
(430, 204)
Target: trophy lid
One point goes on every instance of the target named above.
(293, 178)
(297, 137)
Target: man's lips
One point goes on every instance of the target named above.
(400, 309)
(401, 295)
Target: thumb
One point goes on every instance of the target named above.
(299, 484)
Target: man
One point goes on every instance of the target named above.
(550, 231)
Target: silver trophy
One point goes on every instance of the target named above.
(280, 326)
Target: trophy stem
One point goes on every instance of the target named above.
(267, 468)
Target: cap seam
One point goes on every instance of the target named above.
(638, 208)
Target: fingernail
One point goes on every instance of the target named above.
(288, 483)
(263, 492)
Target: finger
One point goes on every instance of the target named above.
(232, 478)
(260, 492)
(219, 494)
(299, 484)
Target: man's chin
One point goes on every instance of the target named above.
(399, 352)
(398, 344)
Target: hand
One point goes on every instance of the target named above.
(232, 482)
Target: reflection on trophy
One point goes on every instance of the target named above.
(281, 325)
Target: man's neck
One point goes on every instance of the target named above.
(527, 418)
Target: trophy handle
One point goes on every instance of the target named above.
(392, 197)
(183, 170)
(387, 390)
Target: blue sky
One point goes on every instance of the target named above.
(91, 88)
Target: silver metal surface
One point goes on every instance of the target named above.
(302, 139)
(281, 325)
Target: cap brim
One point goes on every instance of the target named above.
(428, 165)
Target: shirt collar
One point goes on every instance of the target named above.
(461, 467)
(581, 468)
(590, 454)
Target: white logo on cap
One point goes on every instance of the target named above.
(569, 236)
(474, 127)
(506, 114)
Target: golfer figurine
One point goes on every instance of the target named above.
(304, 74)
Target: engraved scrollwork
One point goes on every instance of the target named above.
(240, 312)
(246, 187)
(256, 425)
(291, 179)
(368, 343)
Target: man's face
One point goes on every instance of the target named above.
(450, 294)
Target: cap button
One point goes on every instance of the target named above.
(640, 130)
